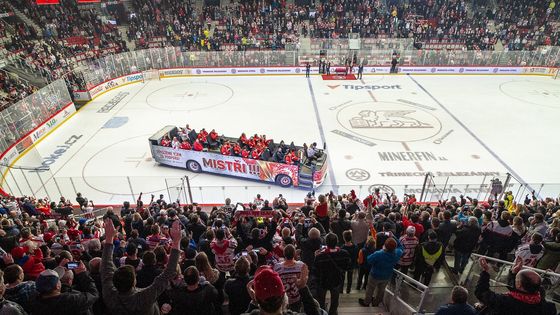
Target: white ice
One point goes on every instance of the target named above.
(508, 124)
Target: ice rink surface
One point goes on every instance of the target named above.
(382, 130)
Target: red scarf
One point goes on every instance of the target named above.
(527, 298)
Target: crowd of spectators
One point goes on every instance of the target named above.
(264, 257)
(524, 25)
(68, 33)
(13, 90)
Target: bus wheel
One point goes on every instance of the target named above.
(193, 166)
(284, 180)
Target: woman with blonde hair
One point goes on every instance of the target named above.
(202, 263)
(211, 275)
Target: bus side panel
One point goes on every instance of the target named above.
(226, 165)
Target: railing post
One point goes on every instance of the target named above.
(189, 188)
(423, 299)
(130, 186)
(428, 174)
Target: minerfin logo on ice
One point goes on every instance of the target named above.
(60, 150)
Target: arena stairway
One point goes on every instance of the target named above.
(25, 19)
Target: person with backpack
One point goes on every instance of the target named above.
(382, 263)
(331, 264)
(363, 268)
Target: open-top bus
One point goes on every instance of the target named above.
(308, 174)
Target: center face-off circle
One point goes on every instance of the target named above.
(189, 96)
(387, 121)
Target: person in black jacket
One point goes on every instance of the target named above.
(427, 258)
(465, 242)
(236, 287)
(150, 270)
(52, 301)
(309, 245)
(195, 227)
(194, 297)
(340, 225)
(527, 297)
(331, 264)
(257, 240)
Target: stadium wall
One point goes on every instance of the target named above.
(19, 148)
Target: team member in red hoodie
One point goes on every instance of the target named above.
(197, 146)
(213, 135)
(185, 145)
(226, 149)
(30, 260)
(244, 153)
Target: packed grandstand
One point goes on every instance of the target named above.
(157, 256)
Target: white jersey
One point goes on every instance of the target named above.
(290, 276)
(224, 254)
(529, 259)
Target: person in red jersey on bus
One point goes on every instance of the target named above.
(243, 139)
(256, 154)
(185, 145)
(244, 153)
(226, 149)
(197, 146)
(236, 149)
(214, 135)
(203, 136)
(165, 142)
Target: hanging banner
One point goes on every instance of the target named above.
(43, 2)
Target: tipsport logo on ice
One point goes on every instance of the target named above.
(371, 87)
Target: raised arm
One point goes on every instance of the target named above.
(107, 266)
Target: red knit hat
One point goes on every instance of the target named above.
(267, 284)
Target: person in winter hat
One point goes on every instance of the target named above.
(269, 295)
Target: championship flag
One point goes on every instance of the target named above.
(43, 2)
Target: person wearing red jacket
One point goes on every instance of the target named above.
(214, 135)
(236, 149)
(294, 157)
(244, 153)
(288, 159)
(255, 154)
(197, 146)
(226, 149)
(413, 222)
(185, 145)
(31, 264)
(243, 139)
(202, 137)
(165, 142)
